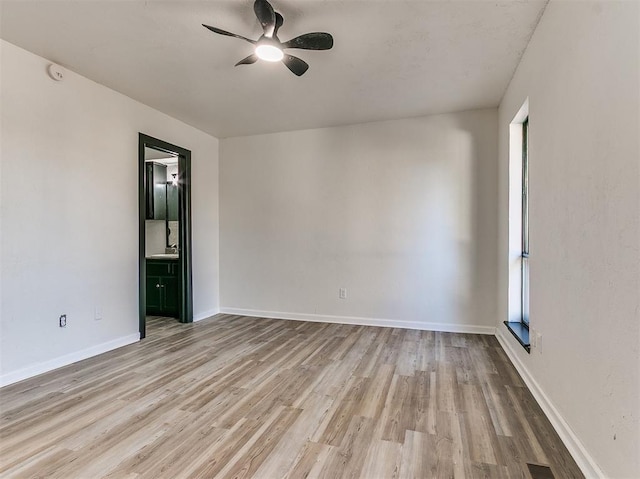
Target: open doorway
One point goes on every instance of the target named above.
(164, 185)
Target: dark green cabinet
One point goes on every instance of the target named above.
(172, 202)
(156, 191)
(171, 296)
(154, 298)
(161, 196)
(163, 287)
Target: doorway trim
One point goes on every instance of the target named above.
(184, 228)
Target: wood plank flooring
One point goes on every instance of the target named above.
(243, 397)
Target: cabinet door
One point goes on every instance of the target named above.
(171, 292)
(172, 202)
(148, 190)
(159, 192)
(154, 295)
(155, 184)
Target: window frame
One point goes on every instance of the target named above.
(518, 323)
(524, 257)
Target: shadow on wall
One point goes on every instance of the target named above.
(400, 213)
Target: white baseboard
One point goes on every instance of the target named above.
(385, 323)
(577, 450)
(46, 366)
(205, 315)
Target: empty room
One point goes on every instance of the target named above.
(320, 239)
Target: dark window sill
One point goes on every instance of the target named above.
(520, 332)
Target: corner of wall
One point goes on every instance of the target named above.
(583, 459)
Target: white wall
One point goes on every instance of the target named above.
(69, 230)
(581, 75)
(155, 237)
(400, 213)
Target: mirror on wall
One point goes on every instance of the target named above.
(161, 198)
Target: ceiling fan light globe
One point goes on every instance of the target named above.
(269, 53)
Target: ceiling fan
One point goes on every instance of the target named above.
(269, 47)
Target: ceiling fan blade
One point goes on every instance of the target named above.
(228, 34)
(311, 41)
(279, 22)
(266, 16)
(248, 60)
(295, 64)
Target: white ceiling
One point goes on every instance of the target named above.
(391, 59)
(157, 156)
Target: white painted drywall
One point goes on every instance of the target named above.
(400, 213)
(581, 75)
(69, 230)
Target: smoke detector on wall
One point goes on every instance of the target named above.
(56, 72)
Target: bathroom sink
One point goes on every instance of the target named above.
(164, 256)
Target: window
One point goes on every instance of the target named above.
(524, 257)
(518, 322)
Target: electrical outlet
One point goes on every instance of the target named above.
(532, 338)
(62, 321)
(342, 294)
(98, 313)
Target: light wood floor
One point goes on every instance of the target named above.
(243, 397)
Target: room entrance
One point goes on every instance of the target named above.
(165, 284)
